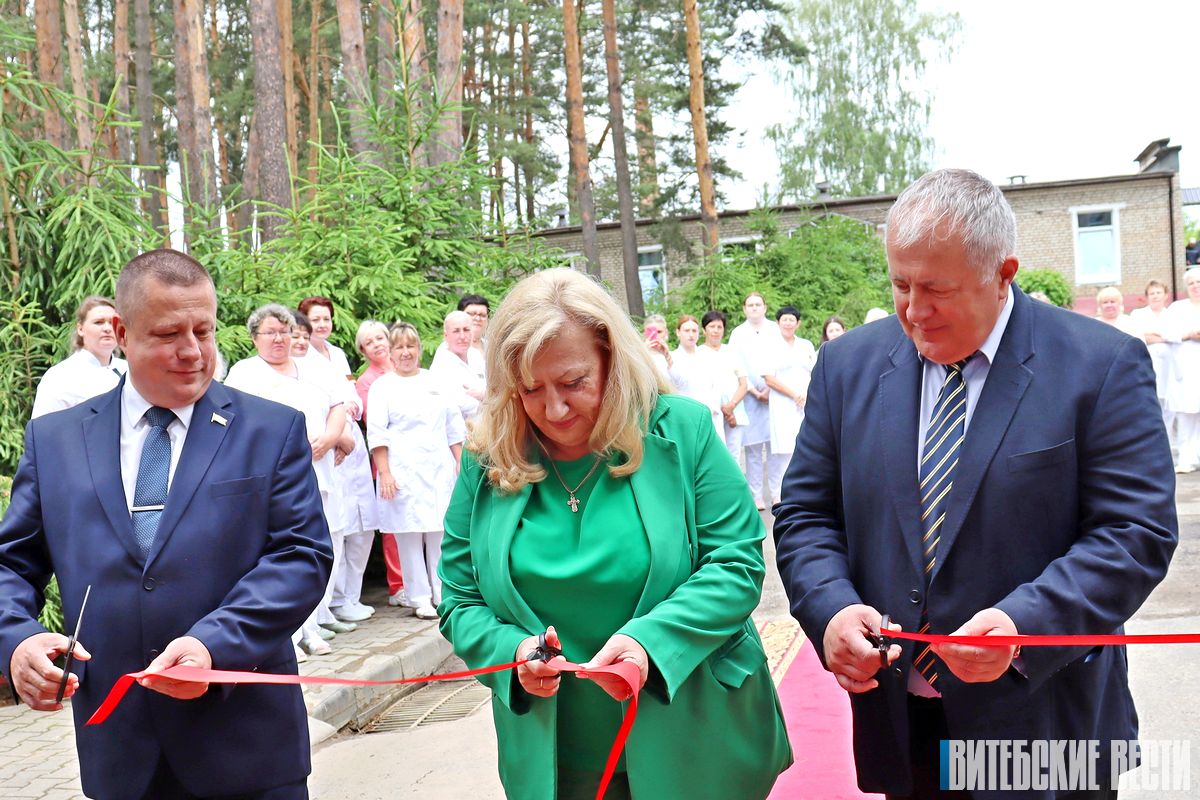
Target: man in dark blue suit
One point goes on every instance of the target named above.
(193, 512)
(979, 463)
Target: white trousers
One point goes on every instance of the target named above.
(347, 584)
(420, 554)
(776, 466)
(733, 440)
(322, 612)
(1189, 439)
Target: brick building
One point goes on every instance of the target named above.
(1120, 230)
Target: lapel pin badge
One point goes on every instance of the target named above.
(217, 418)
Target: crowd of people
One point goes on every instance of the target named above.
(566, 488)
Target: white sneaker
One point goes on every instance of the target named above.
(426, 612)
(352, 613)
(400, 598)
(301, 656)
(315, 647)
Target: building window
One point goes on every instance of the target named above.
(1097, 244)
(652, 273)
(740, 246)
(575, 260)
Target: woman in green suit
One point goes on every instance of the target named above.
(595, 508)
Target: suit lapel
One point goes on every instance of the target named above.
(102, 442)
(659, 496)
(1006, 383)
(899, 418)
(204, 438)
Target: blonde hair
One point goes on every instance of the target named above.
(533, 314)
(401, 333)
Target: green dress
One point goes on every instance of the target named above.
(583, 573)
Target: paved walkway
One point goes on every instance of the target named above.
(39, 759)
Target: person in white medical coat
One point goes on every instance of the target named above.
(91, 369)
(788, 373)
(415, 431)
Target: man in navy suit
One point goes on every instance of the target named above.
(979, 463)
(219, 575)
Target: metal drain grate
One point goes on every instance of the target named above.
(438, 702)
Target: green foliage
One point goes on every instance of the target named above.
(1049, 281)
(27, 348)
(861, 125)
(52, 613)
(828, 265)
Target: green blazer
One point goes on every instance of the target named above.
(709, 723)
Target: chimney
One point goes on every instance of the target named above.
(823, 190)
(1158, 157)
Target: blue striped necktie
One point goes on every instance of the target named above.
(939, 457)
(150, 491)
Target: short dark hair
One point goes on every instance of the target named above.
(302, 320)
(795, 312)
(712, 316)
(473, 300)
(165, 266)
(1159, 284)
(316, 300)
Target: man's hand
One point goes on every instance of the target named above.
(188, 651)
(540, 678)
(980, 664)
(34, 675)
(619, 647)
(849, 655)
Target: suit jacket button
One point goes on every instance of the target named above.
(915, 597)
(153, 654)
(148, 584)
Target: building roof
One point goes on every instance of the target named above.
(834, 205)
(1191, 197)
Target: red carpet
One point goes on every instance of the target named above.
(818, 721)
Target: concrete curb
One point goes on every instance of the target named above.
(332, 708)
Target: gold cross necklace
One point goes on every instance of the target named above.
(572, 500)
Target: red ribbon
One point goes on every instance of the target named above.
(626, 671)
(1081, 640)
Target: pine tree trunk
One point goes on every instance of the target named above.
(449, 80)
(416, 72)
(48, 24)
(385, 59)
(287, 46)
(573, 60)
(616, 113)
(646, 149)
(203, 157)
(354, 69)
(222, 155)
(146, 109)
(269, 113)
(121, 68)
(84, 132)
(314, 91)
(708, 201)
(527, 96)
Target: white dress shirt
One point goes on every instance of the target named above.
(134, 430)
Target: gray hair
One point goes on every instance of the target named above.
(956, 202)
(658, 319)
(365, 329)
(165, 266)
(281, 313)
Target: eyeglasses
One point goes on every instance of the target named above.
(477, 314)
(276, 335)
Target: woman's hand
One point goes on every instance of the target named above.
(320, 446)
(539, 678)
(387, 486)
(619, 647)
(800, 397)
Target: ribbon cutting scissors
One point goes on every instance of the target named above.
(62, 687)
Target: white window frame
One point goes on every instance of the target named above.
(575, 260)
(1113, 275)
(756, 239)
(653, 248)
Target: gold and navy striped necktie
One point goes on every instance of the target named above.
(943, 444)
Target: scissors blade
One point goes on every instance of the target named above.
(62, 686)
